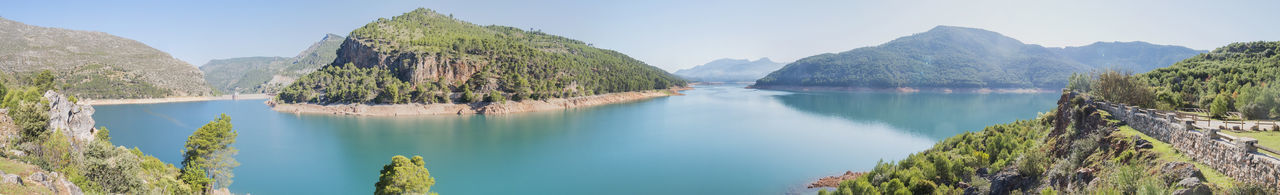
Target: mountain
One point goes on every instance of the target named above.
(1134, 56)
(730, 70)
(95, 64)
(959, 57)
(424, 56)
(269, 74)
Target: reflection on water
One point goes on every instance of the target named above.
(934, 115)
(714, 140)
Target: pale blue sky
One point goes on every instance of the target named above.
(671, 34)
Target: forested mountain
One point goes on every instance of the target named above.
(730, 70)
(424, 56)
(1134, 56)
(959, 57)
(95, 64)
(269, 74)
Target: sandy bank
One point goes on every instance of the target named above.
(473, 108)
(909, 89)
(175, 99)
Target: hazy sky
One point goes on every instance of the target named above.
(671, 34)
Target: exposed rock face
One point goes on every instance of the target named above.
(1009, 180)
(408, 66)
(834, 181)
(74, 120)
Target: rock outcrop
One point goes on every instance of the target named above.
(415, 67)
(74, 120)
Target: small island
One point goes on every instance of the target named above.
(423, 62)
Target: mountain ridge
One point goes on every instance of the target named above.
(952, 57)
(96, 64)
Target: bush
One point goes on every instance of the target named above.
(495, 96)
(1120, 87)
(113, 169)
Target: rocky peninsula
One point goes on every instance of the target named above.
(471, 108)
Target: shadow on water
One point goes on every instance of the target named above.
(933, 115)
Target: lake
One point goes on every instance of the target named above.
(717, 139)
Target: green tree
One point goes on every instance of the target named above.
(209, 154)
(43, 80)
(404, 176)
(32, 118)
(1221, 104)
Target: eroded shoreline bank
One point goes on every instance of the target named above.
(472, 108)
(96, 102)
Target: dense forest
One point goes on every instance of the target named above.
(497, 61)
(958, 57)
(1240, 77)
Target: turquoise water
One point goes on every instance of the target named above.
(721, 139)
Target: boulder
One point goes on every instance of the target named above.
(10, 178)
(40, 178)
(1175, 171)
(1192, 186)
(1139, 143)
(66, 187)
(1009, 180)
(74, 120)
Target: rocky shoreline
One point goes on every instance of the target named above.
(472, 108)
(834, 181)
(907, 89)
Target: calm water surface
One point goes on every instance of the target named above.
(720, 139)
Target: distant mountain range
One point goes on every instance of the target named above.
(730, 70)
(95, 64)
(269, 74)
(959, 57)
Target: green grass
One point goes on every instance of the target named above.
(1169, 154)
(1269, 139)
(10, 166)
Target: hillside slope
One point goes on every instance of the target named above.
(423, 56)
(959, 57)
(96, 64)
(730, 70)
(269, 74)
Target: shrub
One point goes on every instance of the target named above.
(495, 96)
(114, 169)
(1120, 87)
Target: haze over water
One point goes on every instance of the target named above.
(720, 139)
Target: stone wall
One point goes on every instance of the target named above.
(1236, 158)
